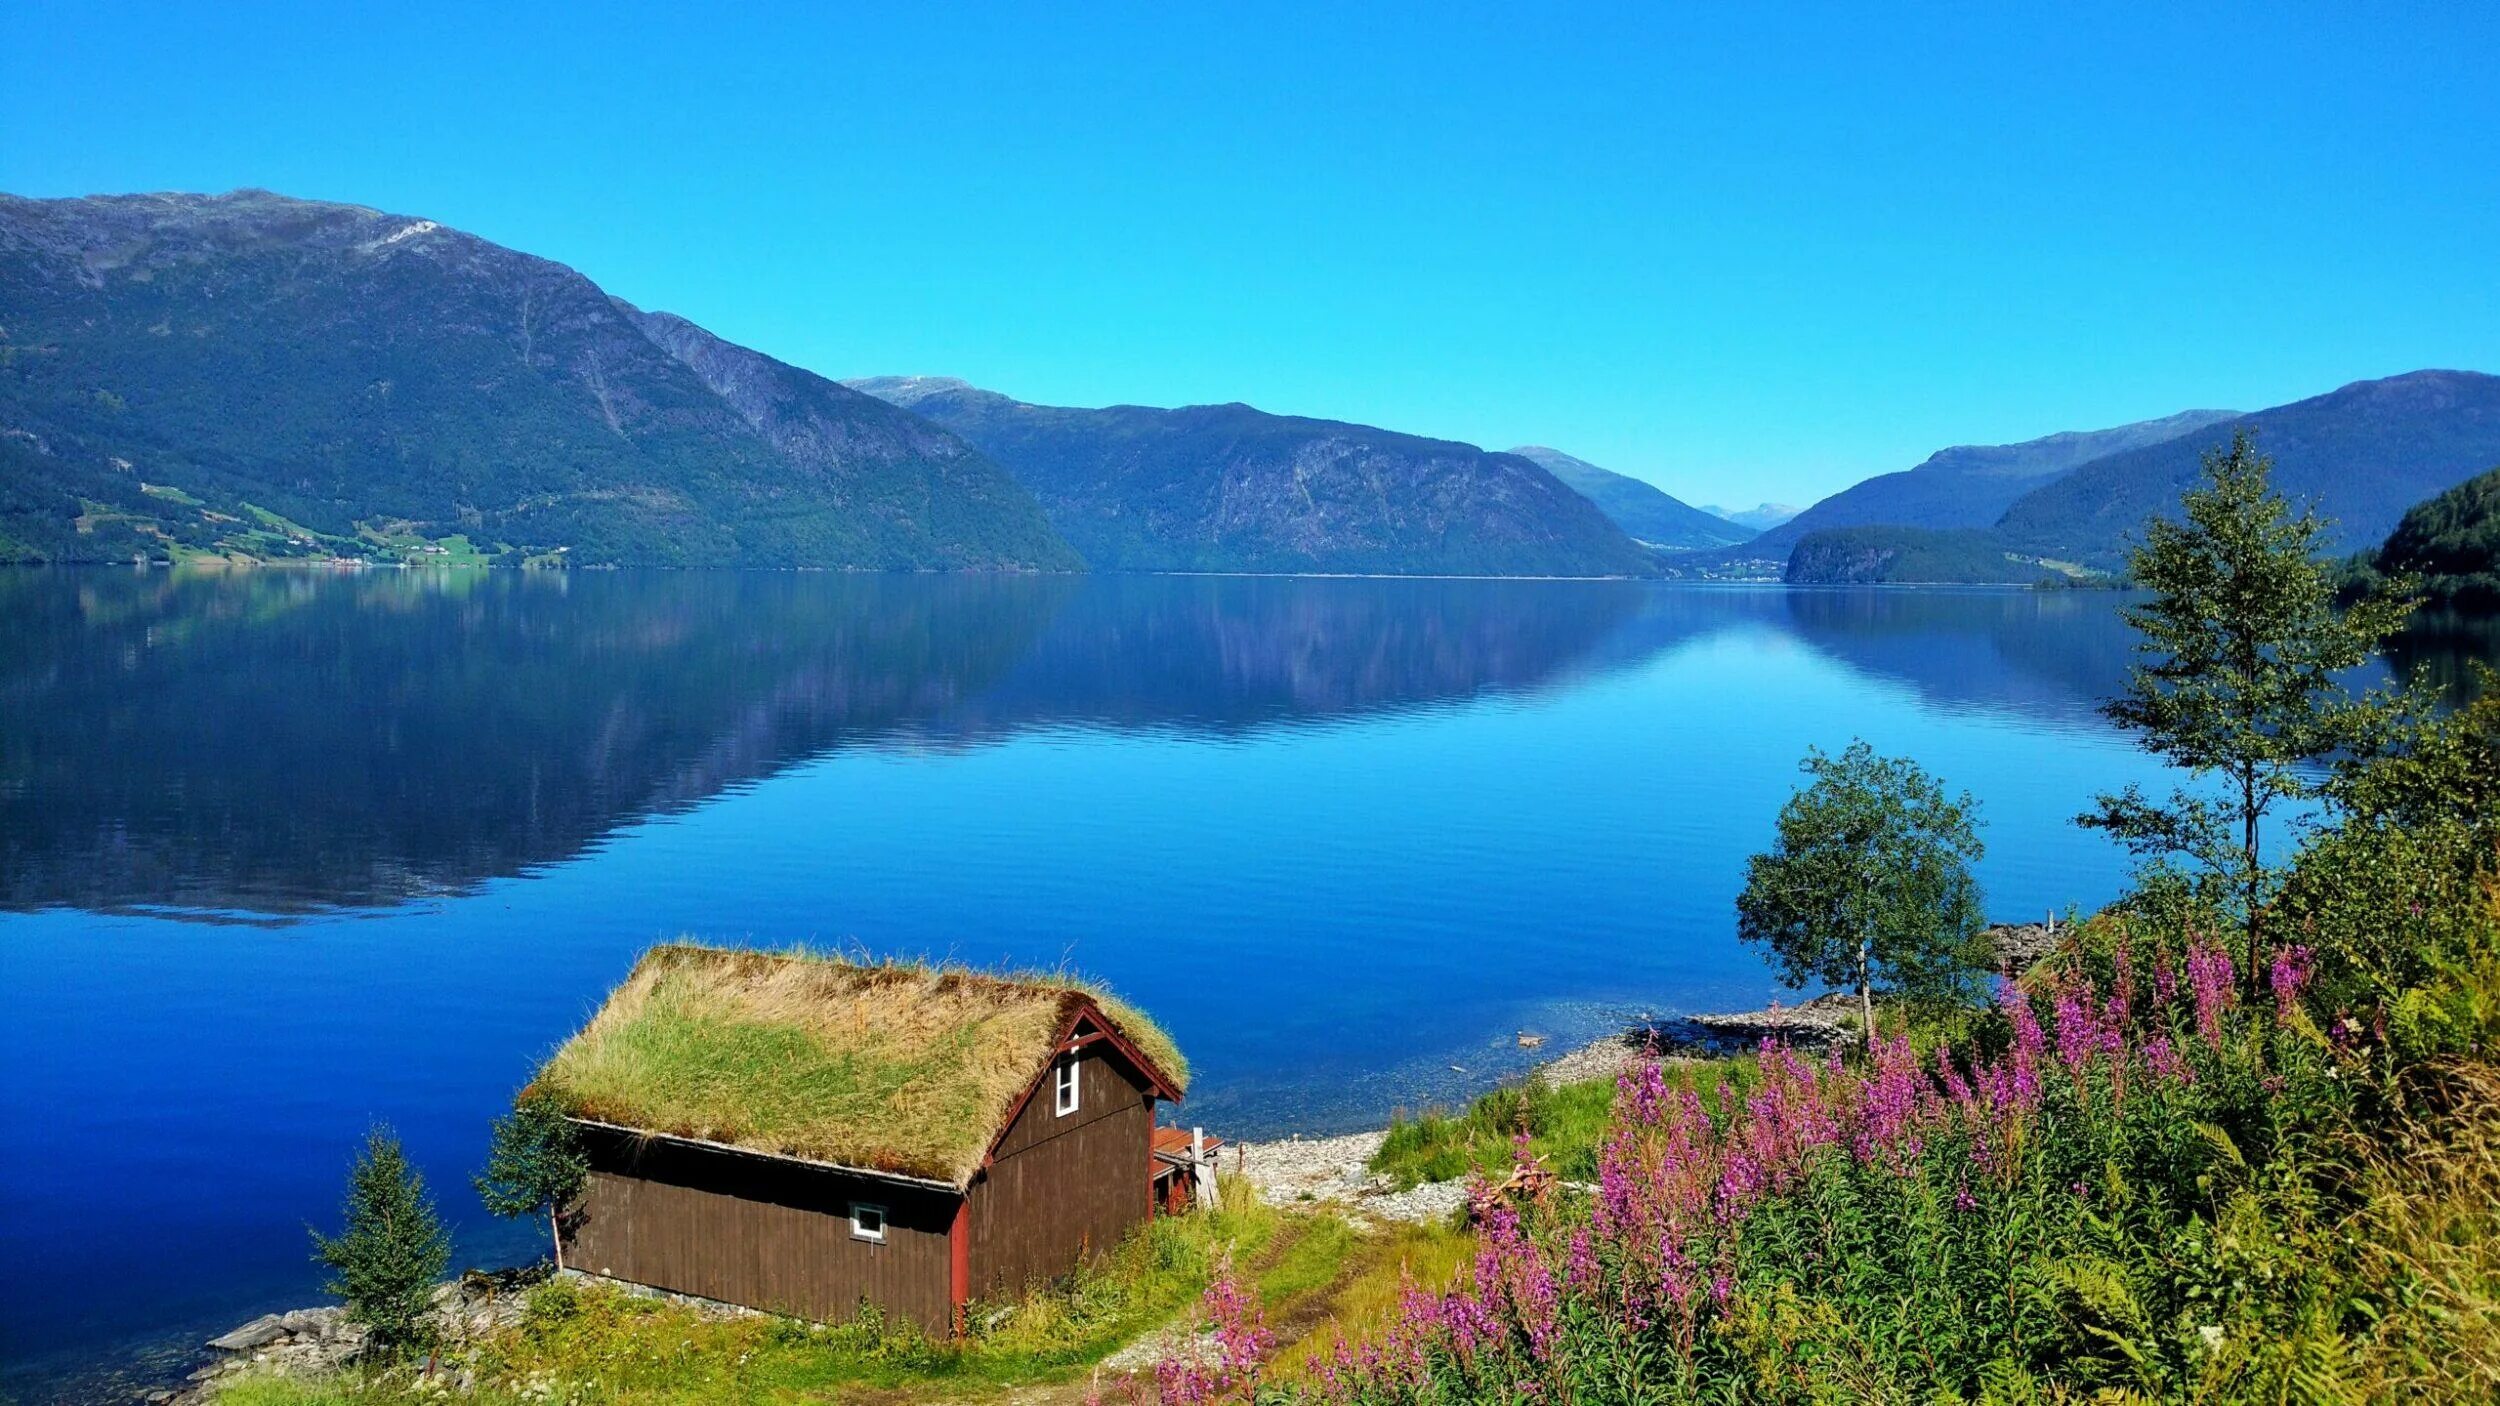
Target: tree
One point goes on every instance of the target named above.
(1869, 880)
(393, 1250)
(534, 1164)
(2235, 680)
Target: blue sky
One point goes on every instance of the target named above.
(1746, 251)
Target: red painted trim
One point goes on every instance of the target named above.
(1111, 1032)
(1066, 1040)
(959, 1264)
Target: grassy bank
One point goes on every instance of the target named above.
(583, 1342)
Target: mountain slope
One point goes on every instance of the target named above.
(272, 377)
(1869, 555)
(2450, 544)
(1644, 510)
(1230, 488)
(2363, 454)
(1971, 485)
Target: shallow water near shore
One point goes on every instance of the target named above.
(285, 854)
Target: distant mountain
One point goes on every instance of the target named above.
(1761, 517)
(1230, 488)
(1642, 509)
(1971, 485)
(2362, 454)
(253, 375)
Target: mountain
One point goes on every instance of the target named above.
(2450, 545)
(1761, 517)
(254, 375)
(1644, 510)
(2362, 454)
(1230, 488)
(1971, 485)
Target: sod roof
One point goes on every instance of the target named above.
(905, 1068)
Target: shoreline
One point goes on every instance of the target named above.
(1294, 1170)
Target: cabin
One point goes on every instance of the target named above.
(807, 1135)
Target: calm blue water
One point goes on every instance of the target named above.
(282, 855)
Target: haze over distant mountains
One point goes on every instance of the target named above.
(1761, 517)
(1232, 488)
(1648, 512)
(1970, 485)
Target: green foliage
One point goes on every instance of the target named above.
(592, 1344)
(1564, 1124)
(1869, 882)
(2450, 545)
(393, 1250)
(534, 1165)
(2237, 678)
(2396, 899)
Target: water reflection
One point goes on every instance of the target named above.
(271, 743)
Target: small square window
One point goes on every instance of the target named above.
(1068, 1086)
(867, 1222)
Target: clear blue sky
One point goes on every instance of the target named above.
(1746, 251)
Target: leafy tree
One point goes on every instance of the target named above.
(393, 1250)
(2399, 900)
(1870, 880)
(2236, 678)
(534, 1164)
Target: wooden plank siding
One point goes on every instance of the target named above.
(758, 1231)
(1058, 1188)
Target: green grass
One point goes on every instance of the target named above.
(587, 1343)
(905, 1067)
(1565, 1124)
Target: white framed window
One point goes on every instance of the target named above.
(1068, 1086)
(867, 1222)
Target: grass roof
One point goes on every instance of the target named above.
(906, 1068)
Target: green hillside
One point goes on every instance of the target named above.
(258, 376)
(1863, 556)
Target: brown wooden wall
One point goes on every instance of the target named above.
(1057, 1187)
(768, 1234)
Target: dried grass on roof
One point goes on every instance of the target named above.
(904, 1068)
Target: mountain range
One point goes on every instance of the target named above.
(1971, 485)
(2360, 455)
(1761, 517)
(1232, 488)
(254, 376)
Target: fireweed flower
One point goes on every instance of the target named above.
(2209, 983)
(2290, 972)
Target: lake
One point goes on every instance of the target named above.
(285, 854)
